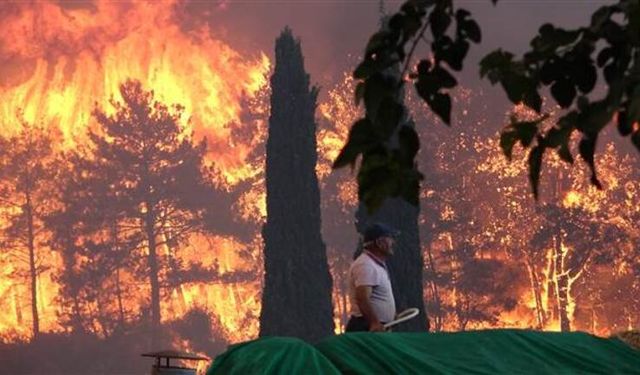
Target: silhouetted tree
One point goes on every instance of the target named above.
(296, 300)
(148, 178)
(28, 170)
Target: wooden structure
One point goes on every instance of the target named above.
(167, 369)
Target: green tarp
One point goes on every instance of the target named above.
(475, 352)
(271, 356)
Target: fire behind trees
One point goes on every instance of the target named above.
(28, 173)
(141, 186)
(488, 262)
(490, 259)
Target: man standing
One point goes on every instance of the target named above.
(370, 293)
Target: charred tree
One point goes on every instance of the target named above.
(296, 300)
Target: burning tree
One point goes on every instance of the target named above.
(296, 300)
(144, 188)
(28, 171)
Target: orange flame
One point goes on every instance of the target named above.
(60, 61)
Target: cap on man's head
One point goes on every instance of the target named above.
(378, 230)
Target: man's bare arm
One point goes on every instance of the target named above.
(363, 295)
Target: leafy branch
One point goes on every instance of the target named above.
(384, 138)
(568, 62)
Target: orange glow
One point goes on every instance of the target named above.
(62, 62)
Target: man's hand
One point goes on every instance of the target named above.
(376, 327)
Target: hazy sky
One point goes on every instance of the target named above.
(334, 32)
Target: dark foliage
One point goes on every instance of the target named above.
(296, 299)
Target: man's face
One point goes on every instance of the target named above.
(386, 245)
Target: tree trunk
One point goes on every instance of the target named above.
(119, 296)
(33, 273)
(114, 235)
(16, 301)
(535, 289)
(562, 286)
(150, 221)
(177, 286)
(438, 318)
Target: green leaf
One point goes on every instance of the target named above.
(532, 99)
(376, 42)
(549, 40)
(585, 76)
(605, 55)
(564, 153)
(599, 18)
(559, 137)
(462, 14)
(521, 89)
(370, 66)
(444, 78)
(495, 64)
(624, 125)
(441, 105)
(614, 33)
(551, 71)
(473, 31)
(411, 26)
(526, 131)
(360, 140)
(364, 69)
(439, 21)
(535, 163)
(595, 117)
(409, 144)
(508, 139)
(523, 131)
(587, 149)
(455, 56)
(397, 21)
(563, 92)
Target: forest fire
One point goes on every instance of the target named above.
(493, 256)
(57, 68)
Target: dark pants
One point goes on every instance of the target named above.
(357, 324)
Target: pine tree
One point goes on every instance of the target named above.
(148, 178)
(296, 300)
(28, 168)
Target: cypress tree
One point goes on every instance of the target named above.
(296, 299)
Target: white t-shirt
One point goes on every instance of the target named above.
(366, 271)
